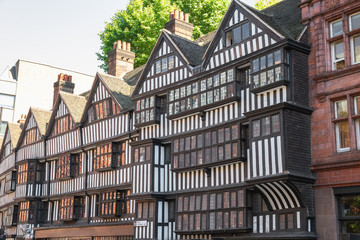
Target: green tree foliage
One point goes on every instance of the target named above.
(261, 4)
(142, 21)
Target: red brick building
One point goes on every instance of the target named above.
(334, 69)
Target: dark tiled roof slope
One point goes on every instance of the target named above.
(76, 105)
(42, 117)
(120, 89)
(133, 76)
(284, 17)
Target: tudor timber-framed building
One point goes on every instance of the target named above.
(209, 139)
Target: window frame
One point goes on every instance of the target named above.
(340, 192)
(331, 29)
(350, 22)
(338, 120)
(10, 179)
(119, 202)
(333, 55)
(352, 49)
(231, 31)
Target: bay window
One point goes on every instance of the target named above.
(68, 166)
(269, 69)
(109, 156)
(113, 203)
(71, 208)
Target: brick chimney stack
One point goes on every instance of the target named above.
(64, 83)
(121, 59)
(179, 24)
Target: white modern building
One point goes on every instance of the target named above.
(31, 84)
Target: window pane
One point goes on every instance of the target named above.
(256, 128)
(341, 109)
(171, 62)
(164, 65)
(356, 49)
(339, 50)
(355, 21)
(342, 132)
(236, 35)
(336, 28)
(245, 30)
(357, 105)
(350, 205)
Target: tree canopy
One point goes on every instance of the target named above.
(261, 4)
(142, 21)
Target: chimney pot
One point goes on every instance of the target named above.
(186, 17)
(176, 14)
(179, 24)
(121, 59)
(181, 16)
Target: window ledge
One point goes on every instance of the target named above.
(333, 39)
(269, 86)
(65, 178)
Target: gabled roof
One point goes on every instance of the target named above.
(74, 103)
(42, 117)
(120, 89)
(190, 49)
(133, 76)
(15, 131)
(284, 17)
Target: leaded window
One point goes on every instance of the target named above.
(113, 203)
(270, 68)
(211, 211)
(204, 92)
(103, 109)
(206, 148)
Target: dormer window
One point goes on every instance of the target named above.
(237, 34)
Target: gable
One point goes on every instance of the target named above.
(6, 147)
(31, 132)
(241, 33)
(101, 93)
(165, 66)
(101, 103)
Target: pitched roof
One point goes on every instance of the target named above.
(1, 141)
(119, 88)
(133, 76)
(206, 39)
(42, 117)
(15, 131)
(191, 49)
(75, 104)
(284, 17)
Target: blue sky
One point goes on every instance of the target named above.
(60, 33)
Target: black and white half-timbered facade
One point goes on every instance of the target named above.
(210, 139)
(8, 207)
(224, 131)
